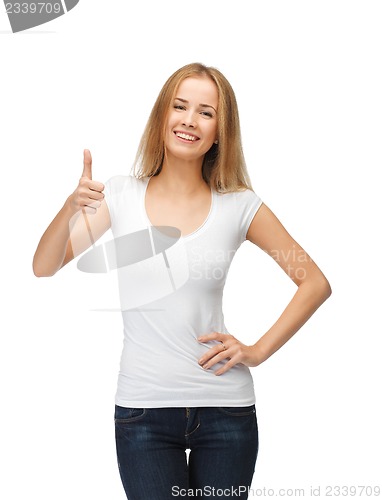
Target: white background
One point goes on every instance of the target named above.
(308, 80)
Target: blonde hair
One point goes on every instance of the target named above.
(224, 167)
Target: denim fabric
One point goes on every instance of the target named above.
(151, 450)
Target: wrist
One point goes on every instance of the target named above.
(258, 356)
(68, 207)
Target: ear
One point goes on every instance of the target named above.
(216, 142)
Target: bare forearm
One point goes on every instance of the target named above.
(307, 299)
(51, 249)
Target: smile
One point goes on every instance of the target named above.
(186, 137)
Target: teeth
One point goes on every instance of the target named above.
(185, 136)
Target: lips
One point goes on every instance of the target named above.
(186, 136)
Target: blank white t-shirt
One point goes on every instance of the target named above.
(170, 299)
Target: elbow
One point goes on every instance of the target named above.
(319, 288)
(323, 288)
(39, 271)
(40, 274)
(328, 290)
(36, 271)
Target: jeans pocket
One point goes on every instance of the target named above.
(238, 411)
(124, 415)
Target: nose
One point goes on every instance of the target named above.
(189, 120)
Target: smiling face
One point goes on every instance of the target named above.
(191, 126)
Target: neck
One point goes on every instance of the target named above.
(182, 177)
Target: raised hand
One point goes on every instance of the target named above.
(88, 194)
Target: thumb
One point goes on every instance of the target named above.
(87, 171)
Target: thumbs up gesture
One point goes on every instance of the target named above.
(88, 195)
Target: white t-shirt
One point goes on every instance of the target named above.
(174, 295)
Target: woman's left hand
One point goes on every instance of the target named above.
(229, 348)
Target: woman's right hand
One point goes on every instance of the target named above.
(69, 234)
(88, 194)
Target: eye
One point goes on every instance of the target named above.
(179, 106)
(207, 113)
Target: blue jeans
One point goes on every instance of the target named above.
(152, 461)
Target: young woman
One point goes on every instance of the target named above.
(184, 381)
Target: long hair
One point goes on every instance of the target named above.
(224, 167)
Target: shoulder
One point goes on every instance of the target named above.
(241, 207)
(241, 198)
(120, 183)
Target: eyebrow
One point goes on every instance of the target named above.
(201, 105)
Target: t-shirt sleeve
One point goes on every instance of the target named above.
(108, 192)
(116, 185)
(114, 189)
(248, 204)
